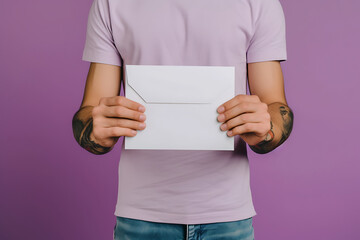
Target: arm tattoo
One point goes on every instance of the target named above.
(82, 133)
(287, 118)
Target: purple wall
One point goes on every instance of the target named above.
(50, 188)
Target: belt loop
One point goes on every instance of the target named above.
(187, 232)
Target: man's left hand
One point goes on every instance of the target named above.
(247, 116)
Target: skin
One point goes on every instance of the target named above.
(104, 116)
(252, 116)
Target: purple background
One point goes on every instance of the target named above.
(51, 188)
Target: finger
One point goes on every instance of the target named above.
(118, 132)
(244, 107)
(258, 128)
(236, 100)
(242, 119)
(123, 112)
(122, 101)
(125, 123)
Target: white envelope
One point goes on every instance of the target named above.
(181, 103)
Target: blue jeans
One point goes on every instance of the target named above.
(134, 229)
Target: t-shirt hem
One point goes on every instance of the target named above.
(280, 59)
(98, 58)
(185, 219)
(262, 56)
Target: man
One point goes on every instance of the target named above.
(164, 192)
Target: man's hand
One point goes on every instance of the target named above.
(114, 117)
(98, 128)
(247, 116)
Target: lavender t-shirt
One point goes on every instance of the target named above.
(186, 186)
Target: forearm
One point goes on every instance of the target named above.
(82, 129)
(282, 119)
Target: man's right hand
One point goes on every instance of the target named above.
(115, 117)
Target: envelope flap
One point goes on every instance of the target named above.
(179, 84)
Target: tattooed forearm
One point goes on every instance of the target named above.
(82, 128)
(282, 119)
(288, 118)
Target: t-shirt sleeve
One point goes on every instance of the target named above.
(99, 44)
(268, 41)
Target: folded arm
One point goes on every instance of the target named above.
(267, 82)
(103, 80)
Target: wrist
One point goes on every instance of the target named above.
(88, 141)
(268, 138)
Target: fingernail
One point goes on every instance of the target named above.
(142, 117)
(223, 127)
(142, 125)
(133, 132)
(220, 109)
(229, 133)
(141, 109)
(221, 117)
